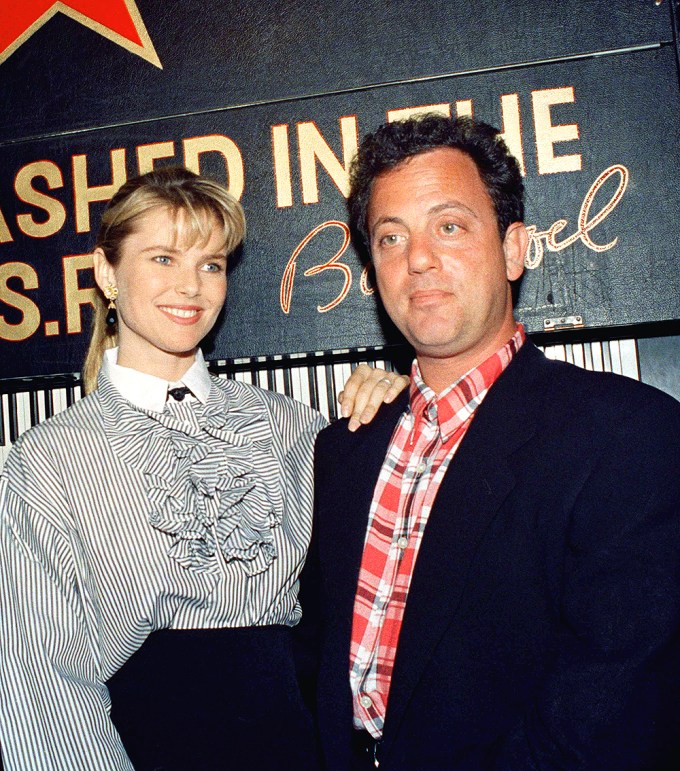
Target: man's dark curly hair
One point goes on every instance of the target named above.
(393, 143)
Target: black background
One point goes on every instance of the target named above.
(239, 68)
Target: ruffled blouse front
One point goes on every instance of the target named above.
(203, 478)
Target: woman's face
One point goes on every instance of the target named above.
(170, 292)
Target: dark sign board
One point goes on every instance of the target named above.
(593, 118)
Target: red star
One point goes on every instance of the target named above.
(117, 20)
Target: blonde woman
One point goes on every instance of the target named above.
(152, 535)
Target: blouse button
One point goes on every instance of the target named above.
(402, 543)
(366, 701)
(421, 468)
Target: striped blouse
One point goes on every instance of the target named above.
(116, 522)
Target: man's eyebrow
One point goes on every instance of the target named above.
(436, 209)
(384, 220)
(456, 205)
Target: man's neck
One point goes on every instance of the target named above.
(439, 373)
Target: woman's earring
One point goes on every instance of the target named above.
(111, 293)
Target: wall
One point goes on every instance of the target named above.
(273, 98)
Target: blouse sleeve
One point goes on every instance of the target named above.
(54, 708)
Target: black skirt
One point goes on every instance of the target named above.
(213, 699)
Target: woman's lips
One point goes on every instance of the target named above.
(181, 314)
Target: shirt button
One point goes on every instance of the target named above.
(421, 468)
(366, 701)
(402, 543)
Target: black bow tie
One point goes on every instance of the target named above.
(178, 394)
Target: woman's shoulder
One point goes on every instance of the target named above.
(279, 406)
(55, 435)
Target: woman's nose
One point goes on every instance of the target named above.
(188, 282)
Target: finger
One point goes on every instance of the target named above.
(371, 392)
(398, 385)
(349, 393)
(384, 389)
(370, 397)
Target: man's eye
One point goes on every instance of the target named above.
(389, 240)
(449, 228)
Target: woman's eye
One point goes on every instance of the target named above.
(162, 259)
(213, 267)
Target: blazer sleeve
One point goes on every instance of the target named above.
(53, 705)
(612, 695)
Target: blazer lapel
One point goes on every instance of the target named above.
(477, 482)
(360, 456)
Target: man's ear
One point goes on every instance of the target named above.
(515, 246)
(104, 273)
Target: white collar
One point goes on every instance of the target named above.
(149, 392)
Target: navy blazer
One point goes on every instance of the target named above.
(542, 628)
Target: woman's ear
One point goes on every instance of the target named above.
(104, 273)
(515, 246)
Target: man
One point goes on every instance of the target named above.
(496, 562)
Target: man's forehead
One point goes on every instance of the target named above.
(439, 168)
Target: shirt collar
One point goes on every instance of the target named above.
(458, 402)
(149, 392)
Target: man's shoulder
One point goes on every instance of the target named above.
(338, 435)
(587, 385)
(568, 393)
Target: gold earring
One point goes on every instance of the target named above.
(111, 293)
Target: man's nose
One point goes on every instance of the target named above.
(422, 254)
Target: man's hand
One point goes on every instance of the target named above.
(366, 390)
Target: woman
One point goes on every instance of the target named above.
(152, 535)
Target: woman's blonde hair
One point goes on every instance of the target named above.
(201, 200)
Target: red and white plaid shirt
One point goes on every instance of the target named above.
(422, 446)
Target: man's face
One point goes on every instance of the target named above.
(442, 268)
